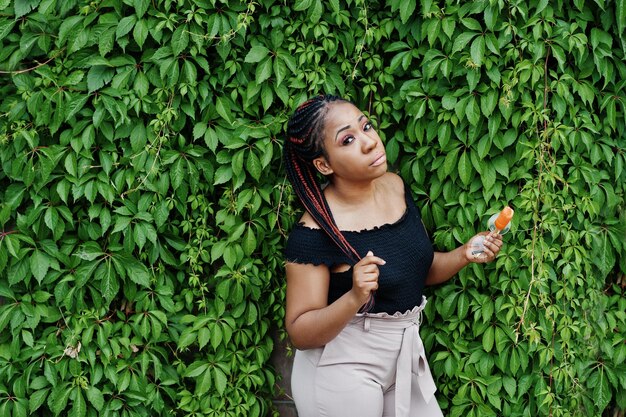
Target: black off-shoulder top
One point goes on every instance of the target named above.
(404, 245)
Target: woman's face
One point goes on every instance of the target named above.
(353, 149)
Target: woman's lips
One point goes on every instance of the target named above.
(381, 159)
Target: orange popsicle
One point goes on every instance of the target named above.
(504, 218)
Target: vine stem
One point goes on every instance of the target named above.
(41, 64)
(156, 156)
(535, 226)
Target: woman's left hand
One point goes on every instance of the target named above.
(492, 244)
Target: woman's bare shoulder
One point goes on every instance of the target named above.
(308, 221)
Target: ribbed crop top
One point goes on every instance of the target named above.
(404, 245)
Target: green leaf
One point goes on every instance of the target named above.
(620, 15)
(58, 398)
(109, 284)
(27, 337)
(140, 32)
(462, 40)
(89, 251)
(125, 25)
(220, 380)
(95, 397)
(488, 339)
(36, 399)
(222, 106)
(300, 5)
(13, 195)
(23, 7)
(138, 137)
(141, 6)
(180, 40)
(75, 106)
(39, 264)
(249, 242)
(477, 50)
(465, 168)
(138, 273)
(98, 76)
(263, 70)
(253, 166)
(79, 406)
(177, 173)
(472, 111)
(256, 54)
(602, 391)
(407, 7)
(488, 102)
(5, 27)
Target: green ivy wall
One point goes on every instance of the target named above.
(143, 205)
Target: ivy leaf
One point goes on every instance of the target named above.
(300, 5)
(220, 380)
(125, 25)
(263, 70)
(407, 7)
(177, 173)
(36, 399)
(39, 264)
(256, 54)
(109, 284)
(140, 32)
(222, 106)
(180, 40)
(488, 339)
(98, 76)
(602, 391)
(462, 40)
(57, 401)
(79, 406)
(13, 195)
(138, 273)
(5, 27)
(249, 242)
(141, 6)
(253, 166)
(472, 111)
(95, 397)
(89, 251)
(465, 168)
(23, 7)
(620, 14)
(138, 137)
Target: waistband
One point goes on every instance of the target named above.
(390, 323)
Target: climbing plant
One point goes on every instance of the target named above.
(144, 209)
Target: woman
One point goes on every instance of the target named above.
(356, 266)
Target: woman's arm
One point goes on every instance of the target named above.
(447, 264)
(309, 320)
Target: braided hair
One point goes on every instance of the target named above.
(303, 144)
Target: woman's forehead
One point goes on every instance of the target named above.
(342, 114)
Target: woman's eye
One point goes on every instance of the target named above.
(348, 140)
(367, 126)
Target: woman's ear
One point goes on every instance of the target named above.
(322, 165)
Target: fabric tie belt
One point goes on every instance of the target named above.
(412, 366)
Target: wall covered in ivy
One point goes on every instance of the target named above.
(143, 204)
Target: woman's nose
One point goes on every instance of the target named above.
(368, 142)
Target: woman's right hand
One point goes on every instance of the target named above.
(365, 277)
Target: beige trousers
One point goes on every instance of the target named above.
(376, 367)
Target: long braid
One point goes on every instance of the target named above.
(303, 144)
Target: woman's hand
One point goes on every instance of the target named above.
(492, 243)
(365, 277)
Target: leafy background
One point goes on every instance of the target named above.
(144, 208)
